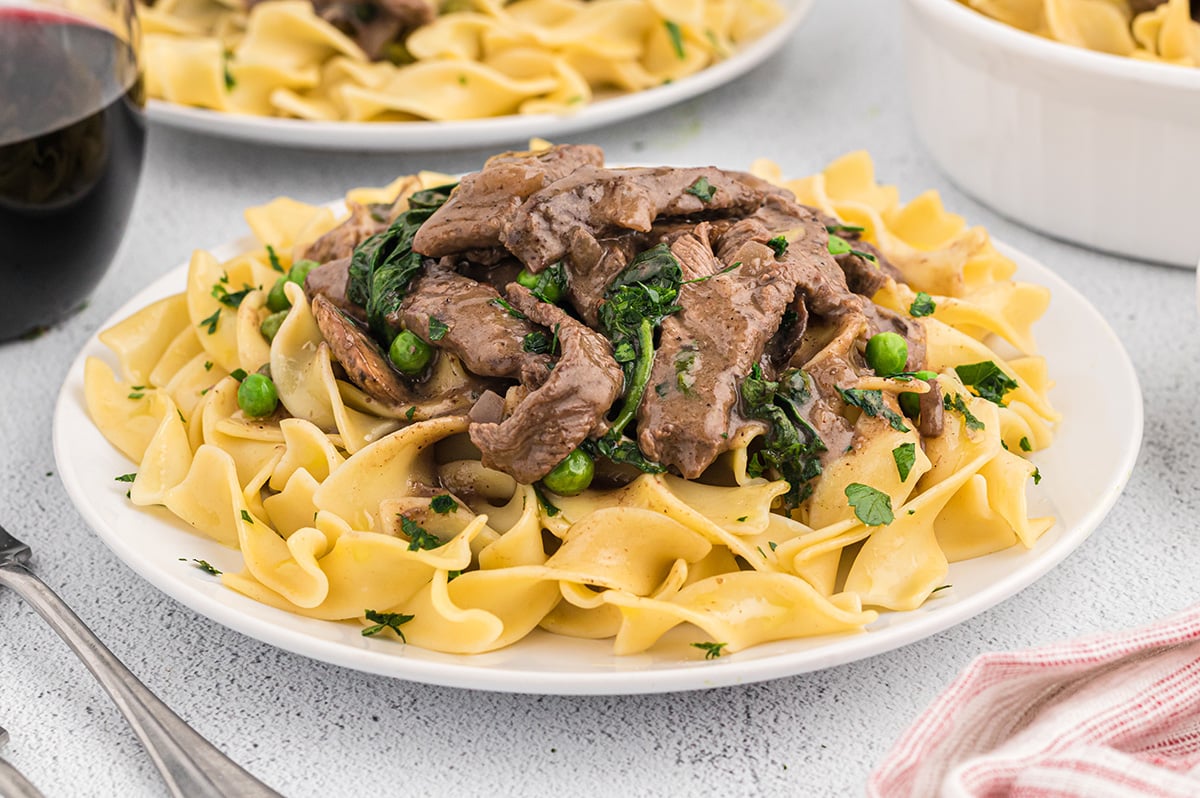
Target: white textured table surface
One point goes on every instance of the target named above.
(310, 729)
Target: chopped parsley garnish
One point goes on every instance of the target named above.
(779, 244)
(742, 518)
(844, 228)
(230, 80)
(547, 505)
(418, 536)
(871, 402)
(840, 246)
(955, 402)
(1025, 445)
(246, 517)
(702, 189)
(1037, 476)
(127, 477)
(203, 565)
(676, 35)
(228, 298)
(410, 412)
(905, 456)
(986, 380)
(238, 374)
(873, 507)
(208, 364)
(536, 342)
(386, 620)
(772, 544)
(922, 305)
(500, 302)
(274, 258)
(136, 395)
(181, 418)
(942, 587)
(437, 329)
(443, 504)
(211, 322)
(711, 650)
(792, 448)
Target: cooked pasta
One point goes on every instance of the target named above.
(371, 61)
(398, 512)
(1167, 31)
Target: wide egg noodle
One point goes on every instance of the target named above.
(740, 609)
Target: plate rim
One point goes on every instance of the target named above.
(685, 676)
(426, 136)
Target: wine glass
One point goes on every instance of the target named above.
(72, 137)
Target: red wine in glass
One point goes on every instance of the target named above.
(72, 137)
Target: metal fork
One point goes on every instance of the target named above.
(190, 764)
(12, 783)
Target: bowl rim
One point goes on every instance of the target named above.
(977, 25)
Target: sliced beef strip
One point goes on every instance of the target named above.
(824, 283)
(863, 275)
(488, 339)
(817, 274)
(836, 364)
(472, 218)
(687, 418)
(559, 415)
(604, 202)
(340, 242)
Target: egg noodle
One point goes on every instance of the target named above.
(1150, 30)
(338, 508)
(487, 58)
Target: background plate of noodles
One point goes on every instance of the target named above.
(495, 73)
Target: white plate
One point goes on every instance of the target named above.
(424, 136)
(1084, 471)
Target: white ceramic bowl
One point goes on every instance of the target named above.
(1101, 150)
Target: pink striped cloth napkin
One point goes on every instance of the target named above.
(1110, 716)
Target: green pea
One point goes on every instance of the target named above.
(300, 270)
(271, 324)
(257, 396)
(572, 476)
(887, 353)
(527, 279)
(409, 354)
(276, 298)
(543, 285)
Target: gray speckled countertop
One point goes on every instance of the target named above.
(311, 729)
